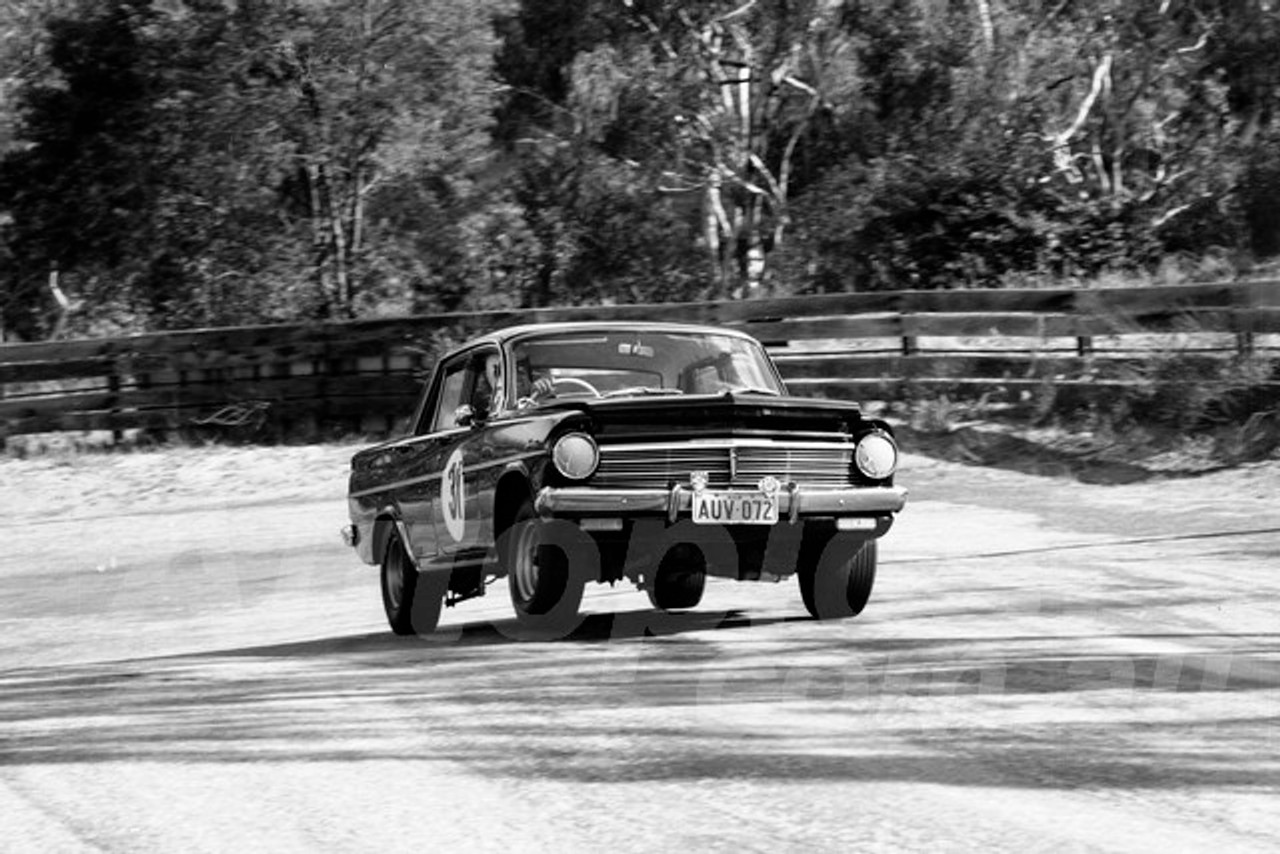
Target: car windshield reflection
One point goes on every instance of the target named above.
(627, 364)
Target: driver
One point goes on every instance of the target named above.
(543, 387)
(491, 388)
(531, 389)
(538, 389)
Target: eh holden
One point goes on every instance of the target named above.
(565, 454)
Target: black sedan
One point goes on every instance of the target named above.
(562, 454)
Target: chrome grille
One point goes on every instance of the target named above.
(736, 463)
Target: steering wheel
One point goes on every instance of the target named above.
(577, 382)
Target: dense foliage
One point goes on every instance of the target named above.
(168, 163)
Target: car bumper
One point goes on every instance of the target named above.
(794, 504)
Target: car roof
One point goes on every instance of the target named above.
(510, 333)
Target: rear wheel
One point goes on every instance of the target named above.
(836, 576)
(545, 592)
(412, 603)
(680, 580)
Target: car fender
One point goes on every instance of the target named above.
(388, 521)
(513, 486)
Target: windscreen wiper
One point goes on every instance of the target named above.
(641, 390)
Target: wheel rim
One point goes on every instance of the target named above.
(393, 576)
(525, 561)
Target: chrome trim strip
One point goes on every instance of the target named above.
(722, 444)
(505, 461)
(397, 485)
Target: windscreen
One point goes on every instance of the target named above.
(622, 363)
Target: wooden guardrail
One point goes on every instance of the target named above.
(366, 374)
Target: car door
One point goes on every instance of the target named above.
(461, 450)
(415, 462)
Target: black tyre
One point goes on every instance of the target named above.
(411, 602)
(545, 591)
(836, 576)
(680, 580)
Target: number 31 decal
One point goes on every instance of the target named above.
(453, 500)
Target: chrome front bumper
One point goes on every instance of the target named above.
(794, 503)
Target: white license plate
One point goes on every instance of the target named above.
(734, 508)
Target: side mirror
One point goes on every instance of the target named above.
(464, 415)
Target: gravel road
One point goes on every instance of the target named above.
(191, 661)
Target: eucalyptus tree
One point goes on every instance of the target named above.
(364, 97)
(747, 80)
(1149, 112)
(78, 169)
(999, 141)
(1242, 51)
(200, 161)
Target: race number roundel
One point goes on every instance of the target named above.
(453, 502)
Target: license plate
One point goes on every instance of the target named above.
(734, 508)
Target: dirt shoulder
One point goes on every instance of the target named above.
(81, 485)
(170, 479)
(1112, 458)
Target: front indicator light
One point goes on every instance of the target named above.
(876, 456)
(576, 456)
(600, 524)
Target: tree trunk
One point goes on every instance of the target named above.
(987, 25)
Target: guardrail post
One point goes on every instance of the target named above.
(4, 433)
(142, 381)
(388, 417)
(910, 345)
(113, 386)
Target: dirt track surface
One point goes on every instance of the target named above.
(192, 661)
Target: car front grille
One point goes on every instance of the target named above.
(731, 463)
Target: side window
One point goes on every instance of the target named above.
(450, 397)
(476, 379)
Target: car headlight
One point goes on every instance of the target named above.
(876, 456)
(575, 456)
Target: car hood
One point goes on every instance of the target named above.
(655, 417)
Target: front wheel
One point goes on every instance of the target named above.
(680, 580)
(836, 577)
(545, 591)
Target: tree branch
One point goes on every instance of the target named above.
(654, 30)
(1170, 214)
(737, 13)
(1100, 79)
(775, 189)
(801, 85)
